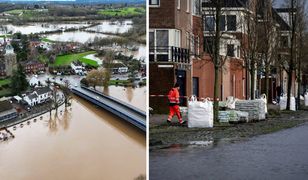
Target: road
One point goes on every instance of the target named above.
(282, 156)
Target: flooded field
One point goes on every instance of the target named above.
(76, 36)
(82, 143)
(112, 27)
(102, 27)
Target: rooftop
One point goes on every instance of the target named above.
(42, 90)
(5, 106)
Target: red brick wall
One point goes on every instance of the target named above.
(198, 31)
(161, 80)
(204, 70)
(163, 16)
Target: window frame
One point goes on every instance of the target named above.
(154, 5)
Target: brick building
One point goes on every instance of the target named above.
(170, 41)
(33, 66)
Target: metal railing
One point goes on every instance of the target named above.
(169, 54)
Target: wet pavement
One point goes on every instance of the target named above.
(281, 155)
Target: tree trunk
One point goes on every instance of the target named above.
(216, 60)
(216, 92)
(290, 77)
(252, 80)
(299, 84)
(267, 69)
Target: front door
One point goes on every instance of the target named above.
(181, 79)
(196, 86)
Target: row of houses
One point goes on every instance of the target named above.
(181, 39)
(38, 96)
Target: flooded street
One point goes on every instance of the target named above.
(281, 155)
(83, 143)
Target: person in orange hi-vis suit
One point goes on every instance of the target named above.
(174, 101)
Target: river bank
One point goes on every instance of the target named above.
(163, 135)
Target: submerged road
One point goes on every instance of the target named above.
(282, 156)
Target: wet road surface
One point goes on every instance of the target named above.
(282, 155)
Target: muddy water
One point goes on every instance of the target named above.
(82, 143)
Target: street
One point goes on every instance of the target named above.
(281, 155)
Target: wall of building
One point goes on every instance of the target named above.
(163, 16)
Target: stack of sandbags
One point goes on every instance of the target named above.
(283, 103)
(242, 116)
(255, 108)
(306, 99)
(223, 116)
(232, 116)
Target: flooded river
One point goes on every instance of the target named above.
(83, 142)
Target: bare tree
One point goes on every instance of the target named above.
(217, 38)
(301, 46)
(268, 43)
(293, 6)
(66, 92)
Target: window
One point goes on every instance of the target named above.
(222, 22)
(154, 2)
(198, 45)
(208, 45)
(231, 23)
(193, 50)
(187, 40)
(177, 38)
(284, 41)
(151, 39)
(162, 38)
(187, 5)
(196, 7)
(209, 23)
(238, 51)
(230, 50)
(179, 4)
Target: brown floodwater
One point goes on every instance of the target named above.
(83, 142)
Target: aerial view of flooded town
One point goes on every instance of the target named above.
(73, 89)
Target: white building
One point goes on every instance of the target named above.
(38, 96)
(77, 67)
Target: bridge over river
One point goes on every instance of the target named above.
(121, 109)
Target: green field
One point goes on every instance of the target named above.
(128, 11)
(48, 40)
(5, 81)
(67, 59)
(7, 35)
(5, 91)
(26, 13)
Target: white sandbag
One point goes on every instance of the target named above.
(306, 99)
(200, 113)
(264, 98)
(231, 102)
(283, 103)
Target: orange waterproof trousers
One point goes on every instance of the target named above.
(175, 110)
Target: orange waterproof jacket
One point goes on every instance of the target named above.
(174, 97)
